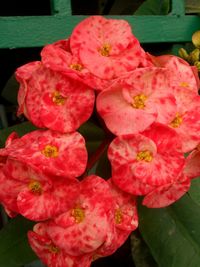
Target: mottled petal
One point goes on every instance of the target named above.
(52, 152)
(167, 194)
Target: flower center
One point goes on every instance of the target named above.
(118, 216)
(139, 101)
(35, 187)
(184, 84)
(58, 99)
(53, 249)
(144, 156)
(105, 50)
(78, 214)
(76, 66)
(50, 151)
(177, 121)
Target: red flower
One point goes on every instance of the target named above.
(58, 57)
(50, 254)
(84, 228)
(186, 121)
(51, 152)
(51, 100)
(106, 47)
(136, 101)
(32, 194)
(180, 73)
(144, 161)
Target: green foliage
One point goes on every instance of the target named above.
(194, 192)
(93, 134)
(140, 251)
(154, 7)
(10, 90)
(14, 248)
(192, 6)
(173, 233)
(21, 129)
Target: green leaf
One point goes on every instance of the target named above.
(192, 6)
(91, 131)
(154, 7)
(14, 248)
(173, 233)
(21, 129)
(10, 90)
(103, 168)
(194, 192)
(140, 251)
(93, 135)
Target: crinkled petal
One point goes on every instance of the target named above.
(167, 194)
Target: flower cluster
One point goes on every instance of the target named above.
(150, 108)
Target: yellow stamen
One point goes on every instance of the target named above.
(118, 216)
(139, 101)
(177, 121)
(144, 156)
(184, 84)
(58, 99)
(78, 214)
(76, 66)
(53, 249)
(35, 187)
(50, 151)
(105, 50)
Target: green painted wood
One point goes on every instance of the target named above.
(178, 7)
(32, 31)
(38, 31)
(61, 7)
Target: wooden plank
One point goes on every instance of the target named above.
(33, 31)
(61, 7)
(178, 7)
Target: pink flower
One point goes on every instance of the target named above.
(186, 121)
(58, 57)
(32, 194)
(50, 254)
(99, 223)
(144, 161)
(51, 152)
(84, 228)
(136, 101)
(180, 73)
(51, 100)
(106, 47)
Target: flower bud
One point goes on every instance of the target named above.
(194, 56)
(197, 64)
(183, 53)
(196, 39)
